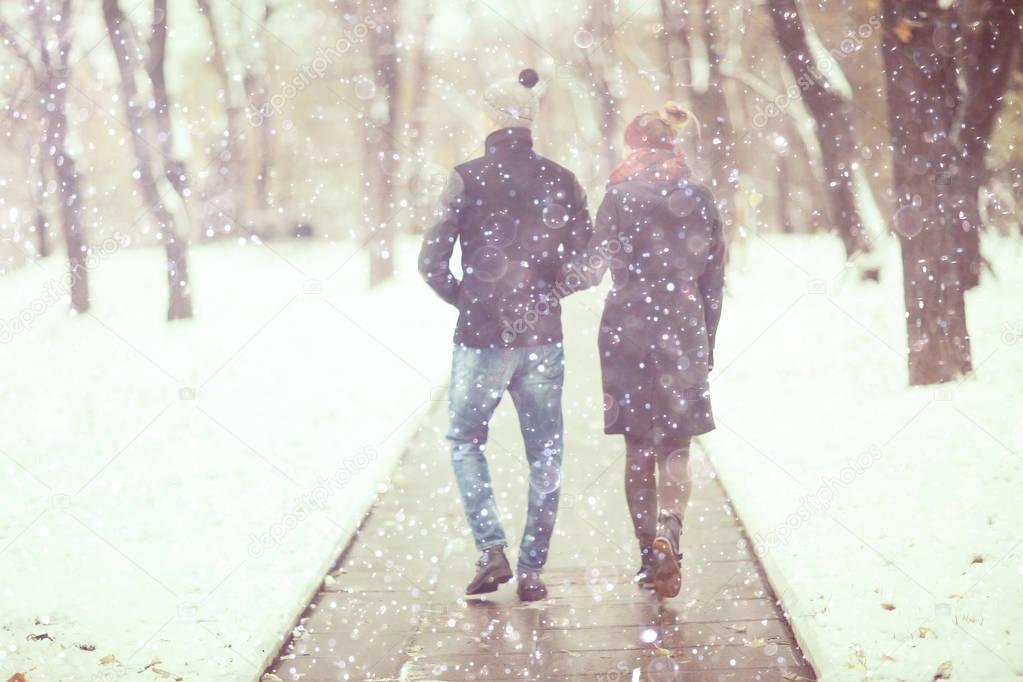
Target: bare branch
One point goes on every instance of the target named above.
(12, 40)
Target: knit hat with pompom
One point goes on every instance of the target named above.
(514, 102)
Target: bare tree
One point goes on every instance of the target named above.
(255, 83)
(700, 70)
(717, 139)
(835, 135)
(673, 31)
(164, 198)
(922, 101)
(228, 152)
(174, 168)
(597, 58)
(418, 174)
(381, 165)
(986, 64)
(51, 27)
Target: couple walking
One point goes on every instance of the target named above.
(527, 241)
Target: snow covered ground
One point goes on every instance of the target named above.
(174, 493)
(887, 517)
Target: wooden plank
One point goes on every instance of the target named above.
(398, 606)
(343, 614)
(544, 664)
(579, 615)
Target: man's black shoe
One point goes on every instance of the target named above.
(492, 570)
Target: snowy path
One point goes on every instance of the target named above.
(393, 608)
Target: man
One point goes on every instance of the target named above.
(521, 222)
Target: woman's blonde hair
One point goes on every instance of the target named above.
(660, 129)
(677, 118)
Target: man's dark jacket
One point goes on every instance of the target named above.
(522, 225)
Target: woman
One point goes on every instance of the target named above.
(661, 237)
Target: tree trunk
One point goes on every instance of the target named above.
(55, 74)
(40, 224)
(419, 183)
(665, 39)
(678, 54)
(986, 66)
(784, 195)
(42, 243)
(152, 183)
(230, 172)
(174, 168)
(717, 139)
(255, 83)
(835, 135)
(381, 165)
(597, 58)
(922, 98)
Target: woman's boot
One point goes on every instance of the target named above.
(645, 575)
(667, 557)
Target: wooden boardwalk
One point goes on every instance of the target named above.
(393, 608)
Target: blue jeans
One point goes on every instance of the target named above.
(534, 377)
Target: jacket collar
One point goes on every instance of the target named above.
(509, 139)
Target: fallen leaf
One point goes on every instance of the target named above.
(887, 657)
(736, 628)
(86, 647)
(270, 677)
(108, 659)
(924, 631)
(164, 673)
(978, 559)
(944, 671)
(796, 677)
(661, 651)
(756, 643)
(17, 677)
(887, 606)
(35, 638)
(903, 30)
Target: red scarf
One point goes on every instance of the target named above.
(650, 165)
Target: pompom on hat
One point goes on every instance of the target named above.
(514, 102)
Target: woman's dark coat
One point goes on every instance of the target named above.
(663, 244)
